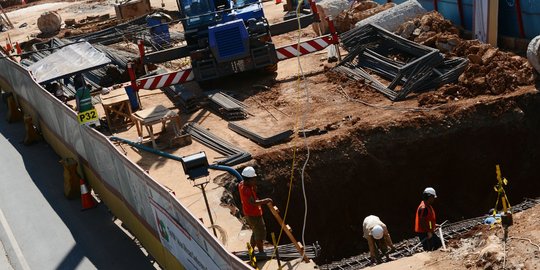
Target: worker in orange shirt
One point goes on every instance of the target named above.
(251, 207)
(425, 222)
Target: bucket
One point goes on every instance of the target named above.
(132, 98)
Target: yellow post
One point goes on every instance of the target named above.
(501, 182)
(252, 258)
(71, 178)
(31, 132)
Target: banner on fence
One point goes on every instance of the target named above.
(179, 242)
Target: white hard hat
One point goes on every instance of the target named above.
(249, 172)
(430, 191)
(377, 232)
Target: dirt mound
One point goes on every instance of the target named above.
(358, 11)
(490, 71)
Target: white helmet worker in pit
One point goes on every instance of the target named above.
(378, 238)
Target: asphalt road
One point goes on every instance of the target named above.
(39, 227)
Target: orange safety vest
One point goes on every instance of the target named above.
(430, 218)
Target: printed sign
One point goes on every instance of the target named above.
(177, 240)
(88, 117)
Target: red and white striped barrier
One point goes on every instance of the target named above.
(305, 47)
(163, 80)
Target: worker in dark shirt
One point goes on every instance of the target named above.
(425, 222)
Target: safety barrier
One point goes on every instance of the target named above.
(172, 235)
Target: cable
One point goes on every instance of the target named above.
(300, 78)
(525, 239)
(304, 116)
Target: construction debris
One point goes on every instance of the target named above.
(392, 18)
(408, 66)
(49, 22)
(490, 71)
(330, 8)
(357, 11)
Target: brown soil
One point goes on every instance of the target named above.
(490, 70)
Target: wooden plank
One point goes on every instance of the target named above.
(287, 230)
(151, 111)
(493, 27)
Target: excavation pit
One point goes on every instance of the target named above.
(364, 168)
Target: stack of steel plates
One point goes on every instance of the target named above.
(227, 106)
(234, 155)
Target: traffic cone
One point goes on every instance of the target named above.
(18, 48)
(87, 200)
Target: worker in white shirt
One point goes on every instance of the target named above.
(378, 238)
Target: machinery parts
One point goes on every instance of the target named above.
(225, 37)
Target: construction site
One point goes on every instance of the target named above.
(344, 109)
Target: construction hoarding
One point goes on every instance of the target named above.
(126, 189)
(175, 238)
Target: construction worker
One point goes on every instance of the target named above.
(378, 238)
(425, 222)
(251, 206)
(82, 94)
